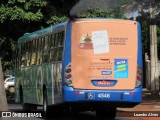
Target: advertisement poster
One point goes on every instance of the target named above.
(100, 42)
(102, 55)
(120, 68)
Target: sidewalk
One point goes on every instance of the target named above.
(149, 105)
(148, 98)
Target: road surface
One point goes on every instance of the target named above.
(122, 114)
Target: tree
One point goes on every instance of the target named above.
(21, 10)
(23, 16)
(16, 18)
(105, 5)
(110, 13)
(152, 8)
(3, 100)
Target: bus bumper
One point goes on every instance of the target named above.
(79, 95)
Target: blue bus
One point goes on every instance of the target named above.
(81, 65)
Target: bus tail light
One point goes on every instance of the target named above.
(139, 76)
(68, 75)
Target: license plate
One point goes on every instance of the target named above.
(104, 95)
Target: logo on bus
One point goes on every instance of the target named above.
(104, 82)
(106, 72)
(86, 42)
(91, 95)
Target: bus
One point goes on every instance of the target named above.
(83, 64)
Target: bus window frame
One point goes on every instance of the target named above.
(57, 45)
(33, 52)
(28, 58)
(45, 50)
(22, 55)
(39, 51)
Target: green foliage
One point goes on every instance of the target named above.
(110, 13)
(145, 23)
(17, 13)
(6, 48)
(16, 18)
(26, 10)
(23, 16)
(57, 19)
(28, 4)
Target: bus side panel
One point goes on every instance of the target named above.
(37, 85)
(57, 82)
(49, 84)
(23, 80)
(52, 79)
(28, 84)
(32, 83)
(47, 81)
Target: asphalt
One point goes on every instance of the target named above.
(150, 104)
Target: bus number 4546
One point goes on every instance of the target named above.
(104, 95)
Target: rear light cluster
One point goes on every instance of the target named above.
(139, 76)
(68, 75)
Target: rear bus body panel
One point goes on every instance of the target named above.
(111, 56)
(104, 55)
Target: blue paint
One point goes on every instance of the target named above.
(139, 59)
(67, 49)
(139, 46)
(120, 71)
(113, 95)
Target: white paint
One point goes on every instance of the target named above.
(100, 42)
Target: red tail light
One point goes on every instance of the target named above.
(139, 76)
(68, 75)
